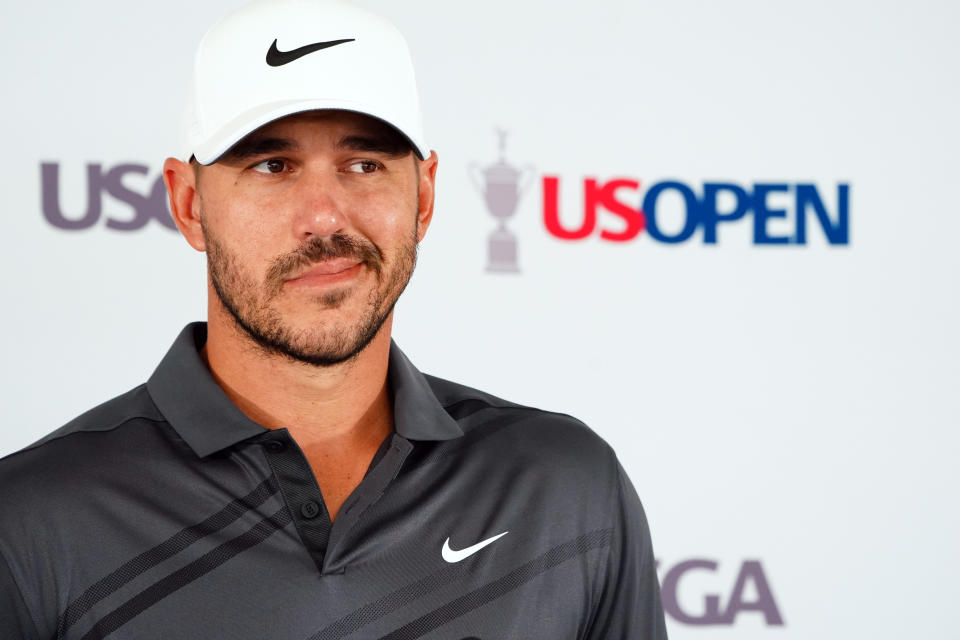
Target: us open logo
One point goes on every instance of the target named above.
(671, 211)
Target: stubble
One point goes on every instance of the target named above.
(252, 303)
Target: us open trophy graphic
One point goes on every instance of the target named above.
(501, 186)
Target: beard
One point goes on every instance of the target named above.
(322, 344)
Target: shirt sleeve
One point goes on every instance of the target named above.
(15, 619)
(630, 606)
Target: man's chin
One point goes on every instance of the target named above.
(321, 357)
(321, 351)
(324, 338)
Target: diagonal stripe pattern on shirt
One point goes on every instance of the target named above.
(166, 549)
(187, 574)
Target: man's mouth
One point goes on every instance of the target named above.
(323, 262)
(326, 271)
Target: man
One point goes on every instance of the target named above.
(286, 473)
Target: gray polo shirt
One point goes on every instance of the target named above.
(167, 513)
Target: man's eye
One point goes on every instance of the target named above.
(273, 165)
(364, 166)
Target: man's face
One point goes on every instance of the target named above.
(311, 225)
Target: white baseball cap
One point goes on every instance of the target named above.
(274, 58)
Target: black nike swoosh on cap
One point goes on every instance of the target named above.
(277, 58)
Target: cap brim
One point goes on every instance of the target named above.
(216, 145)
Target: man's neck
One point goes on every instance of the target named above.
(344, 406)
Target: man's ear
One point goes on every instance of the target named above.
(428, 176)
(181, 181)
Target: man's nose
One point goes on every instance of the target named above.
(321, 206)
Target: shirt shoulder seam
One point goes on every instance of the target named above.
(509, 405)
(45, 441)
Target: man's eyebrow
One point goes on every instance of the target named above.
(390, 145)
(257, 147)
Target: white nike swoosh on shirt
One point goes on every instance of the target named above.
(456, 556)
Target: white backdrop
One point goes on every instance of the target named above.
(786, 411)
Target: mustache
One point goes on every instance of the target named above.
(318, 249)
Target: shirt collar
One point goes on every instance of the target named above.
(201, 413)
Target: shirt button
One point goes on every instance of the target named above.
(310, 509)
(275, 446)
